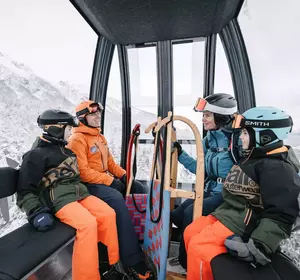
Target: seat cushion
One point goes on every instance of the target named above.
(8, 181)
(227, 267)
(25, 248)
(285, 268)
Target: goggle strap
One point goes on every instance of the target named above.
(82, 112)
(267, 123)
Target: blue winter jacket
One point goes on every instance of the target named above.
(218, 161)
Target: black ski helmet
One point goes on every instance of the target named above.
(54, 122)
(222, 105)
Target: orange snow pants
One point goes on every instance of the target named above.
(94, 222)
(204, 239)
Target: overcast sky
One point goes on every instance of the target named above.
(53, 39)
(49, 36)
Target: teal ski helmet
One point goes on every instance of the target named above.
(270, 125)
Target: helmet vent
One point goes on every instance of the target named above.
(260, 116)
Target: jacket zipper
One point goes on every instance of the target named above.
(213, 155)
(101, 156)
(51, 193)
(248, 216)
(104, 167)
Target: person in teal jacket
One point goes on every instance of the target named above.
(218, 110)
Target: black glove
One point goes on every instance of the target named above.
(124, 179)
(178, 147)
(245, 251)
(42, 219)
(118, 185)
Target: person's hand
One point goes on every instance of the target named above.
(118, 185)
(42, 219)
(124, 179)
(178, 147)
(245, 251)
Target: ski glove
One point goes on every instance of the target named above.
(245, 251)
(178, 147)
(42, 219)
(118, 185)
(124, 179)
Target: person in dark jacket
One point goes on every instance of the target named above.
(218, 110)
(49, 184)
(260, 198)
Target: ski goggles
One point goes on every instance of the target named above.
(240, 122)
(91, 109)
(95, 107)
(200, 105)
(72, 121)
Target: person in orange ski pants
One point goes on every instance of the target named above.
(49, 184)
(204, 239)
(261, 197)
(94, 222)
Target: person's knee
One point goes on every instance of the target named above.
(194, 241)
(89, 223)
(117, 196)
(195, 249)
(110, 214)
(116, 202)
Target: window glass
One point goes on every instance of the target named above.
(188, 71)
(113, 110)
(143, 89)
(223, 81)
(46, 60)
